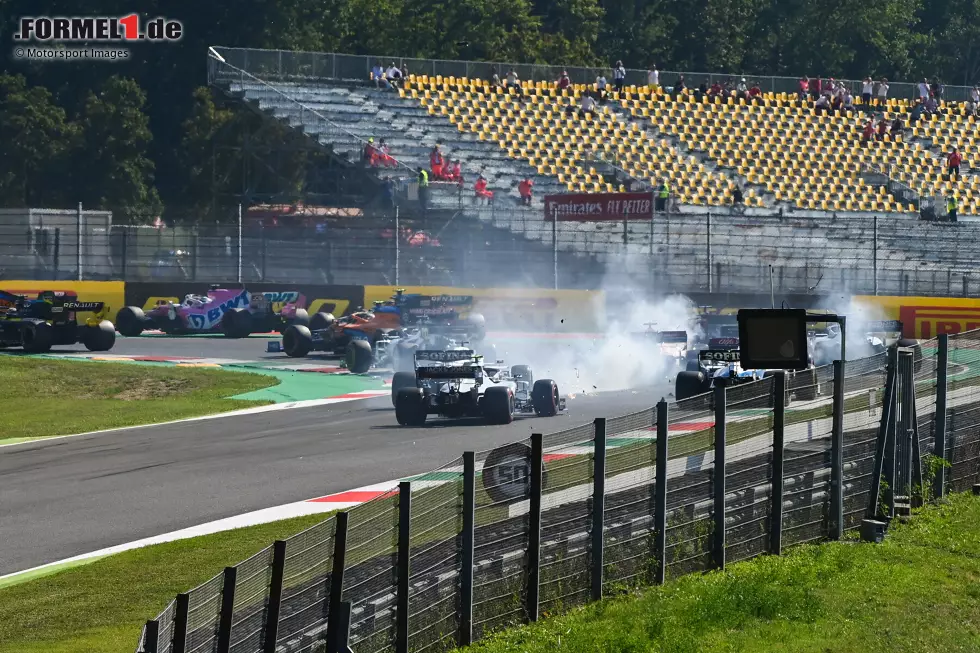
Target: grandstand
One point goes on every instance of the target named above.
(813, 171)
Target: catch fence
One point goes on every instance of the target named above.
(534, 528)
(506, 246)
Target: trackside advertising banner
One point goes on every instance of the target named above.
(339, 300)
(928, 317)
(520, 309)
(598, 207)
(111, 293)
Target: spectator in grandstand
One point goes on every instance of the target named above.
(480, 188)
(847, 101)
(526, 190)
(436, 162)
(679, 86)
(973, 104)
(701, 91)
(563, 81)
(423, 179)
(619, 77)
(804, 88)
(953, 161)
(883, 92)
(393, 75)
(882, 129)
(653, 77)
(370, 156)
(898, 128)
(389, 190)
(404, 71)
(738, 200)
(917, 112)
(932, 106)
(588, 106)
(742, 90)
(938, 90)
(951, 207)
(514, 83)
(822, 105)
(602, 86)
(755, 93)
(457, 173)
(816, 88)
(867, 88)
(494, 77)
(378, 76)
(716, 90)
(663, 195)
(924, 89)
(868, 134)
(975, 94)
(384, 155)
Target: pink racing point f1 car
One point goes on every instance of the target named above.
(235, 312)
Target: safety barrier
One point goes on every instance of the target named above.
(504, 537)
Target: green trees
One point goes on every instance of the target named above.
(133, 135)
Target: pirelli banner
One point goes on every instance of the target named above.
(598, 207)
(111, 293)
(927, 317)
(520, 309)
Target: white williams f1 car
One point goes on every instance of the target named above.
(456, 384)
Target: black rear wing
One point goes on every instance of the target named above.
(82, 307)
(440, 356)
(454, 372)
(665, 337)
(719, 355)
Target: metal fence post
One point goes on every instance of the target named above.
(337, 581)
(707, 266)
(180, 623)
(534, 527)
(554, 244)
(939, 427)
(660, 505)
(272, 611)
(404, 561)
(227, 610)
(837, 455)
(719, 477)
(885, 428)
(78, 242)
(151, 636)
(778, 459)
(468, 536)
(598, 506)
(341, 640)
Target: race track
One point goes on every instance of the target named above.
(73, 495)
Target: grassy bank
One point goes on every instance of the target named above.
(43, 397)
(100, 607)
(917, 592)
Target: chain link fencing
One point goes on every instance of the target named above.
(485, 542)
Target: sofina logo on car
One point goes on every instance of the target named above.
(212, 318)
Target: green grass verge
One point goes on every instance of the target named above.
(43, 397)
(100, 607)
(919, 592)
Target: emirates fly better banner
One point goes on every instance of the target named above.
(597, 207)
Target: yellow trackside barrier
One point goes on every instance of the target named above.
(927, 317)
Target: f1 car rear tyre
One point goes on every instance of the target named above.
(130, 321)
(689, 384)
(410, 407)
(916, 348)
(523, 371)
(300, 318)
(236, 323)
(321, 321)
(359, 356)
(36, 337)
(297, 341)
(99, 337)
(544, 398)
(400, 381)
(498, 405)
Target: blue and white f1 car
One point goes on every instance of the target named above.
(720, 366)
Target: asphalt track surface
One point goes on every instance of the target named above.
(69, 496)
